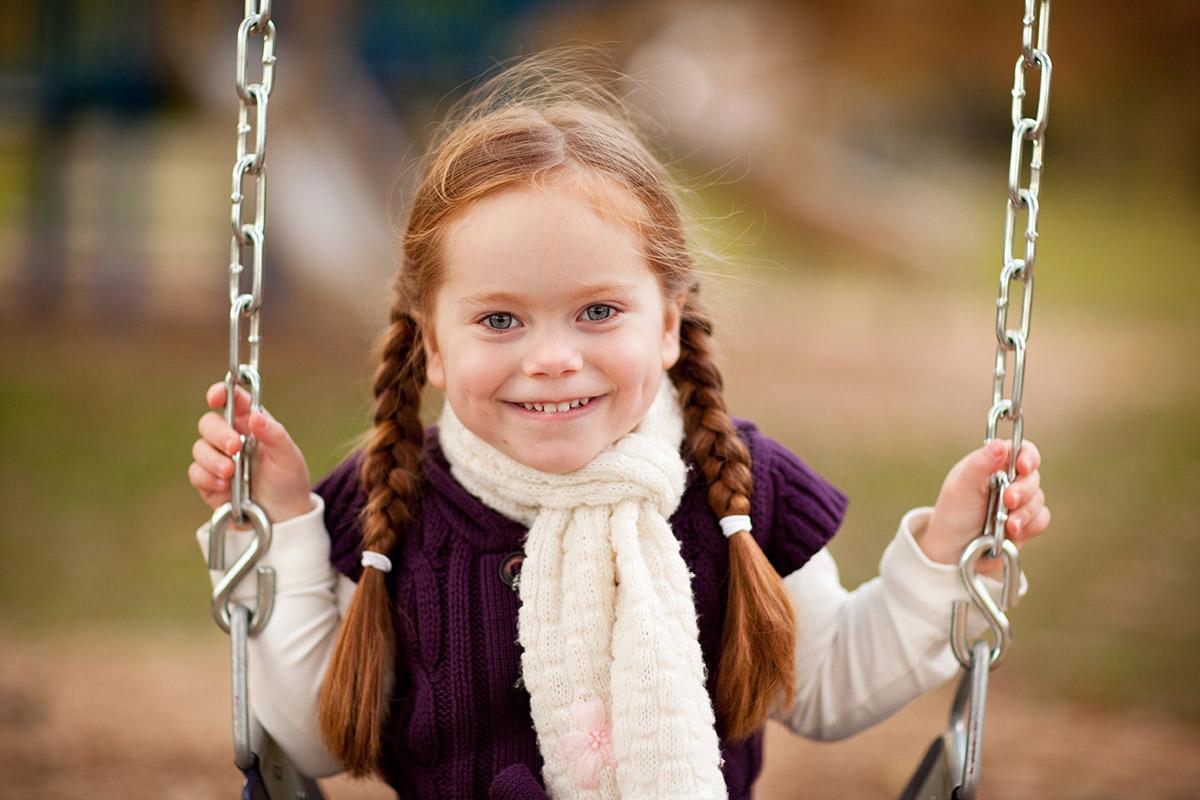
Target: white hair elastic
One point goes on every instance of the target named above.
(377, 560)
(734, 524)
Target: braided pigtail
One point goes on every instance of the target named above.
(353, 704)
(758, 641)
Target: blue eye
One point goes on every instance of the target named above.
(499, 322)
(598, 312)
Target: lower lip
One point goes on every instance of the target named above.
(557, 415)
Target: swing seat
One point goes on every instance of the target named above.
(934, 778)
(272, 776)
(950, 768)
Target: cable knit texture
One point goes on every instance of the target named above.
(607, 621)
(459, 723)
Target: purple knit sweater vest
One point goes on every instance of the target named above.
(459, 724)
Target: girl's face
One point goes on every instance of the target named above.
(550, 334)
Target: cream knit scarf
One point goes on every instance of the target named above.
(611, 654)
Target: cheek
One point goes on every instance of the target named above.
(636, 361)
(475, 370)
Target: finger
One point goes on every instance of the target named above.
(1029, 459)
(210, 486)
(212, 460)
(266, 428)
(1020, 522)
(1021, 490)
(206, 481)
(978, 466)
(1030, 514)
(216, 432)
(215, 397)
(1040, 522)
(215, 500)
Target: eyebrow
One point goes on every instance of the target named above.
(507, 298)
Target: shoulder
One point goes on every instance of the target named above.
(344, 497)
(446, 510)
(795, 511)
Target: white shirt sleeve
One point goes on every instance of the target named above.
(287, 659)
(863, 655)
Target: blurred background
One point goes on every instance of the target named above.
(845, 167)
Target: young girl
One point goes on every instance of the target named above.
(571, 586)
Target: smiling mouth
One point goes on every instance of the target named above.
(549, 407)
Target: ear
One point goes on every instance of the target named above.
(672, 317)
(435, 372)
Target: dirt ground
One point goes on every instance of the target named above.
(147, 716)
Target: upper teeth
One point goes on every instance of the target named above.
(551, 408)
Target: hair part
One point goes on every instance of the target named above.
(546, 117)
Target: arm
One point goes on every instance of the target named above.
(863, 655)
(287, 659)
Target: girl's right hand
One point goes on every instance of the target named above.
(281, 481)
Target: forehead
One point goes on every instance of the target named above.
(545, 239)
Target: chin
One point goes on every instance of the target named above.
(555, 462)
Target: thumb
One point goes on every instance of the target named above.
(266, 428)
(986, 460)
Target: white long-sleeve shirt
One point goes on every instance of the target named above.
(861, 655)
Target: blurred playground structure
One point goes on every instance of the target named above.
(846, 165)
(112, 131)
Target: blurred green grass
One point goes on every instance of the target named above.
(97, 429)
(1115, 242)
(1126, 247)
(97, 425)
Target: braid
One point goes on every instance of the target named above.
(353, 706)
(758, 640)
(391, 467)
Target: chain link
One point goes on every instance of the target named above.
(1012, 336)
(249, 177)
(247, 237)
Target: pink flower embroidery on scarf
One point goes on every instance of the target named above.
(587, 747)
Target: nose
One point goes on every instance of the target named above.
(552, 354)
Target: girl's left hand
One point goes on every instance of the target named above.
(961, 505)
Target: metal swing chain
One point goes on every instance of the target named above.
(1012, 337)
(245, 305)
(1010, 340)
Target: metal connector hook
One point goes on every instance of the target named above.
(993, 614)
(245, 562)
